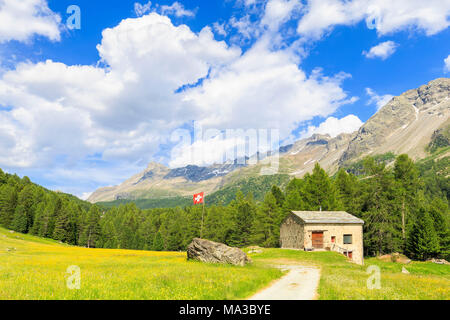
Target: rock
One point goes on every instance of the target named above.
(214, 252)
(395, 257)
(404, 270)
(416, 113)
(440, 261)
(255, 249)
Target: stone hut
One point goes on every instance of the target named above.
(324, 230)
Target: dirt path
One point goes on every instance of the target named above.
(300, 283)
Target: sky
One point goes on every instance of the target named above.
(92, 91)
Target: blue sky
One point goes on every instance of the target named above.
(89, 107)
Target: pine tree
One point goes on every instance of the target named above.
(19, 222)
(266, 228)
(3, 177)
(348, 193)
(25, 201)
(244, 211)
(439, 210)
(91, 228)
(278, 194)
(158, 242)
(8, 203)
(382, 229)
(319, 191)
(406, 179)
(61, 231)
(423, 242)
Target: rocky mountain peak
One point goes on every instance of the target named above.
(405, 124)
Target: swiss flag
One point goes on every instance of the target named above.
(198, 198)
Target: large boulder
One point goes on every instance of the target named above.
(214, 252)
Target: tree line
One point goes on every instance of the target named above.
(405, 208)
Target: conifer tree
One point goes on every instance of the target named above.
(158, 242)
(244, 209)
(348, 192)
(423, 243)
(8, 202)
(266, 228)
(91, 228)
(406, 179)
(382, 229)
(19, 222)
(61, 231)
(278, 194)
(319, 191)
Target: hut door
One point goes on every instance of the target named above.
(317, 240)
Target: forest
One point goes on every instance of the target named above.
(405, 206)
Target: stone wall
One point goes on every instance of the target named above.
(291, 233)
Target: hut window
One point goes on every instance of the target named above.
(333, 239)
(347, 239)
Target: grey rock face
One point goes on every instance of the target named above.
(196, 174)
(431, 100)
(214, 252)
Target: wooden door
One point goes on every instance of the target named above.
(317, 240)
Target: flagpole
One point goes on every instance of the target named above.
(203, 214)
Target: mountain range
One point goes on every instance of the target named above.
(406, 124)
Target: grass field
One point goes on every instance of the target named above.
(35, 268)
(343, 280)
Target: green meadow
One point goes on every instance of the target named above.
(36, 268)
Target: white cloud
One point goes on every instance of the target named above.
(77, 116)
(379, 101)
(219, 28)
(278, 12)
(122, 112)
(20, 20)
(335, 127)
(85, 195)
(266, 89)
(141, 9)
(176, 9)
(245, 27)
(383, 50)
(386, 16)
(215, 150)
(447, 64)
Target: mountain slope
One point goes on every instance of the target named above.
(406, 124)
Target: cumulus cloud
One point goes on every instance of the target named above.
(379, 100)
(154, 77)
(335, 127)
(215, 150)
(383, 50)
(141, 9)
(447, 64)
(387, 17)
(176, 9)
(123, 111)
(220, 28)
(278, 12)
(20, 20)
(266, 89)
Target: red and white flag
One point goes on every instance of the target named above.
(198, 198)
